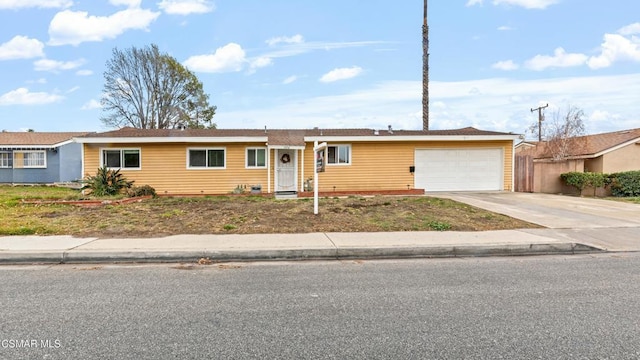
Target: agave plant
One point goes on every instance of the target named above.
(106, 182)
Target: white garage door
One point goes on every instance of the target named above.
(459, 169)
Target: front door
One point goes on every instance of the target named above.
(286, 170)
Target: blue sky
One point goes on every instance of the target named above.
(332, 63)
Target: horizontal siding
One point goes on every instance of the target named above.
(374, 166)
(164, 166)
(385, 166)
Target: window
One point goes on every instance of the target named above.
(206, 158)
(121, 158)
(339, 154)
(256, 158)
(5, 158)
(30, 159)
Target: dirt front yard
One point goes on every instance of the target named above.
(245, 214)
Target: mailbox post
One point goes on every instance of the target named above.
(319, 154)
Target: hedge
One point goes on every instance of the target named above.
(625, 184)
(582, 180)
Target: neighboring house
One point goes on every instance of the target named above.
(603, 153)
(205, 161)
(39, 157)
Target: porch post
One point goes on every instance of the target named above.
(269, 170)
(301, 170)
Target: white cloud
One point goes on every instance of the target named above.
(615, 48)
(22, 96)
(505, 28)
(507, 65)
(228, 58)
(127, 3)
(21, 47)
(559, 59)
(186, 7)
(74, 27)
(84, 72)
(259, 63)
(500, 104)
(295, 39)
(57, 66)
(341, 74)
(293, 49)
(21, 4)
(39, 81)
(289, 80)
(91, 105)
(630, 29)
(527, 4)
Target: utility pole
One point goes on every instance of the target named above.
(540, 118)
(425, 70)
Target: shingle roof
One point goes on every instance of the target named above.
(292, 137)
(36, 138)
(588, 145)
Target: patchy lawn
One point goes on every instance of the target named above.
(633, 200)
(239, 215)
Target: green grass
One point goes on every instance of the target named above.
(633, 200)
(9, 193)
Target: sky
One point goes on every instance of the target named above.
(333, 63)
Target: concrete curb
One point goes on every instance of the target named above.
(169, 256)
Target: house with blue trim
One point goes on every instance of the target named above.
(40, 157)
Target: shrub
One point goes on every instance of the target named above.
(575, 179)
(145, 190)
(625, 184)
(106, 182)
(581, 180)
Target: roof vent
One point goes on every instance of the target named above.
(181, 127)
(376, 132)
(390, 130)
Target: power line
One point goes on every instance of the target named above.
(540, 118)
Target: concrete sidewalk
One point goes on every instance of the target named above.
(191, 248)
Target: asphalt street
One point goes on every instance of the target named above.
(560, 307)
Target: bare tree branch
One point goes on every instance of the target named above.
(146, 89)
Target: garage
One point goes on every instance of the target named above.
(459, 169)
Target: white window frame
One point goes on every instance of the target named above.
(338, 146)
(6, 164)
(24, 158)
(121, 150)
(206, 167)
(246, 160)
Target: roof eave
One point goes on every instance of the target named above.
(185, 139)
(411, 138)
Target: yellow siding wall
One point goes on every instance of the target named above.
(18, 160)
(385, 166)
(164, 166)
(374, 166)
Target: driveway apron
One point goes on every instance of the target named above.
(608, 224)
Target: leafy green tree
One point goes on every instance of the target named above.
(147, 89)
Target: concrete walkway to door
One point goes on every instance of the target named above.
(607, 224)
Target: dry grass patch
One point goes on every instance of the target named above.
(240, 215)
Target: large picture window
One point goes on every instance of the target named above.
(206, 158)
(31, 159)
(121, 158)
(5, 158)
(256, 157)
(339, 154)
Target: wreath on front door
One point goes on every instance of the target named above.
(285, 158)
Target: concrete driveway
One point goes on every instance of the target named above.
(607, 224)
